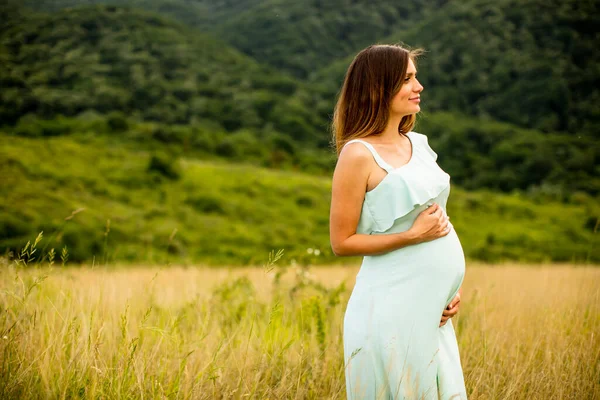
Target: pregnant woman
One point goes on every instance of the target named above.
(389, 205)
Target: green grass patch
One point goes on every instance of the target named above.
(136, 204)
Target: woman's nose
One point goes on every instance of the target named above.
(419, 87)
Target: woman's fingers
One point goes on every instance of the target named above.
(444, 229)
(450, 313)
(432, 209)
(451, 310)
(454, 301)
(447, 314)
(445, 225)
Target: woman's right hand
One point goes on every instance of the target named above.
(431, 224)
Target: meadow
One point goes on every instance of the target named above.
(274, 331)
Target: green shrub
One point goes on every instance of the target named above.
(117, 122)
(207, 204)
(165, 166)
(33, 126)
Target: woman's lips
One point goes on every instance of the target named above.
(416, 99)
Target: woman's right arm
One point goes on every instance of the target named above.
(348, 189)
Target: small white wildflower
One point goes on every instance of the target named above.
(310, 250)
(5, 337)
(317, 252)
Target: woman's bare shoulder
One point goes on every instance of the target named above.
(355, 153)
(353, 165)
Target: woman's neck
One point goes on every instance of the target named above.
(390, 134)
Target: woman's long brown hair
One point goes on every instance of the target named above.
(373, 78)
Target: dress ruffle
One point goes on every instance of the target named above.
(395, 200)
(425, 143)
(403, 190)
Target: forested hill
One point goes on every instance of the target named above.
(202, 14)
(305, 36)
(533, 63)
(106, 58)
(296, 36)
(211, 98)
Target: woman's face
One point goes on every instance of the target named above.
(406, 101)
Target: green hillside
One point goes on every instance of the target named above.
(138, 205)
(305, 36)
(105, 58)
(500, 156)
(532, 63)
(170, 145)
(202, 14)
(475, 153)
(559, 155)
(296, 36)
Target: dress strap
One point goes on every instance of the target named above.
(387, 167)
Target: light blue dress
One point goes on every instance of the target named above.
(393, 345)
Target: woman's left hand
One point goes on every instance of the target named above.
(452, 309)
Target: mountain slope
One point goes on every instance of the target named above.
(298, 37)
(532, 63)
(203, 14)
(106, 58)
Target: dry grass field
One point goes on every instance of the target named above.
(525, 332)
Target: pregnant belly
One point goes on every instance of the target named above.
(436, 266)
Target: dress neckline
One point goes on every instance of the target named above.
(412, 154)
(387, 164)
